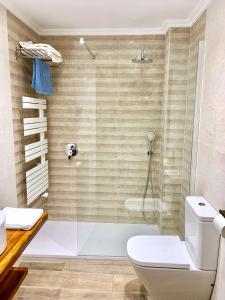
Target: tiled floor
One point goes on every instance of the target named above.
(76, 279)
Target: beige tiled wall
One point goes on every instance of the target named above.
(20, 76)
(106, 106)
(197, 33)
(175, 92)
(177, 122)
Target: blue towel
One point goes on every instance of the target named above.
(42, 77)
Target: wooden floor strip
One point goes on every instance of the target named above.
(80, 279)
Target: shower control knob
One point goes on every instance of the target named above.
(71, 150)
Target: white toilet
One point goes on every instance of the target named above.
(172, 269)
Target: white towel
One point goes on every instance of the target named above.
(21, 218)
(45, 48)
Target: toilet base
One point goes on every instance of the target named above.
(176, 284)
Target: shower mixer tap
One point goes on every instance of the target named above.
(71, 150)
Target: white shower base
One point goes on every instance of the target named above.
(55, 238)
(71, 239)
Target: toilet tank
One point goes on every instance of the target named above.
(201, 235)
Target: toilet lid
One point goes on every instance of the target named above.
(158, 252)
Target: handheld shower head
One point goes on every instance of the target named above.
(150, 136)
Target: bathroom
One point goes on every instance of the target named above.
(140, 95)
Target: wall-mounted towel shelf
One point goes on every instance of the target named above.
(37, 177)
(35, 53)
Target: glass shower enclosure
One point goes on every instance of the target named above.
(133, 123)
(118, 168)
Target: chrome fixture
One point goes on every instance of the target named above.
(150, 136)
(44, 195)
(82, 42)
(150, 139)
(142, 59)
(71, 150)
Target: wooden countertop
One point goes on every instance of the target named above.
(17, 240)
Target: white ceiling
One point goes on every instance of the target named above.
(102, 16)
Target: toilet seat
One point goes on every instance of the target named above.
(158, 252)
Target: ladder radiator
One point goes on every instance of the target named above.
(37, 177)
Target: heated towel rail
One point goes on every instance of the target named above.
(37, 177)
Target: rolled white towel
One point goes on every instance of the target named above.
(21, 218)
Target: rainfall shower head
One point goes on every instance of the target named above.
(142, 59)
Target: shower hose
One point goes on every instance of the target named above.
(149, 178)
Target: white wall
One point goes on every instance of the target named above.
(7, 161)
(210, 180)
(211, 156)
